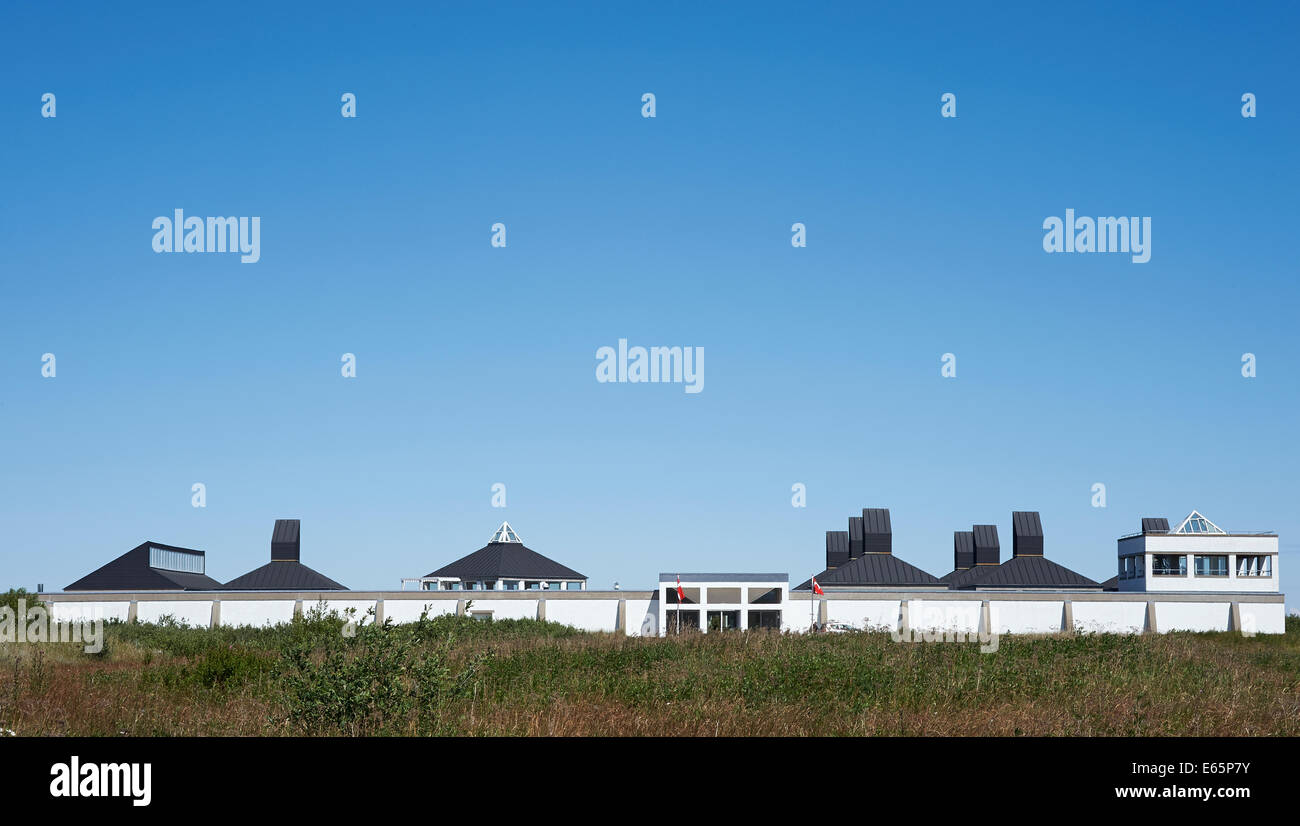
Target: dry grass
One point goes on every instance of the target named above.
(534, 680)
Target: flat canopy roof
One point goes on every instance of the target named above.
(724, 577)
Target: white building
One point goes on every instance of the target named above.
(725, 602)
(1197, 556)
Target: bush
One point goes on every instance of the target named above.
(385, 679)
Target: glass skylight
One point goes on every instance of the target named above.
(505, 533)
(1197, 524)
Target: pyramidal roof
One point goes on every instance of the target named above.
(1197, 524)
(505, 557)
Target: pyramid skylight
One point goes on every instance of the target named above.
(505, 533)
(1197, 524)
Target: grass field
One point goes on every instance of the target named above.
(459, 676)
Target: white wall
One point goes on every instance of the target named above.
(187, 612)
(77, 611)
(1192, 616)
(236, 612)
(872, 615)
(1024, 617)
(1019, 614)
(1109, 617)
(585, 614)
(409, 610)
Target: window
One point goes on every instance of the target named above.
(1211, 565)
(678, 620)
(1169, 564)
(574, 586)
(761, 596)
(481, 616)
(168, 560)
(724, 620)
(1261, 566)
(765, 619)
(512, 585)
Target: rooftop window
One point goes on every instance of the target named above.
(187, 562)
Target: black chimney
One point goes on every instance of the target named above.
(987, 549)
(878, 537)
(284, 540)
(837, 548)
(855, 537)
(963, 550)
(1026, 534)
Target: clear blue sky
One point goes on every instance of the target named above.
(477, 365)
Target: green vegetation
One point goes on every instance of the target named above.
(454, 675)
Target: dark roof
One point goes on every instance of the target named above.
(283, 575)
(1023, 572)
(873, 570)
(956, 578)
(497, 560)
(1111, 584)
(1156, 524)
(131, 572)
(284, 572)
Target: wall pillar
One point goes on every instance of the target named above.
(904, 616)
(1151, 619)
(215, 621)
(460, 607)
(131, 611)
(1067, 618)
(541, 609)
(986, 617)
(1234, 617)
(821, 612)
(620, 620)
(379, 611)
(297, 609)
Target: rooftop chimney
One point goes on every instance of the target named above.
(284, 540)
(1026, 534)
(878, 537)
(855, 537)
(987, 549)
(837, 548)
(963, 550)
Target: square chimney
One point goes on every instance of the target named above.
(963, 550)
(837, 548)
(877, 536)
(987, 549)
(285, 540)
(855, 537)
(1026, 534)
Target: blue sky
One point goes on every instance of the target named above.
(476, 365)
